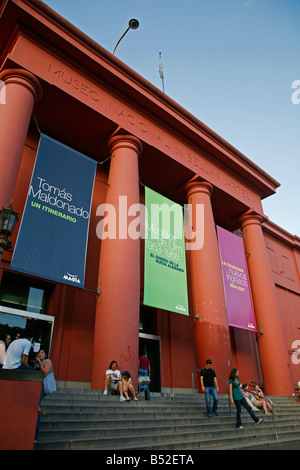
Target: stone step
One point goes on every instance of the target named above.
(98, 394)
(134, 423)
(283, 443)
(101, 400)
(58, 413)
(93, 437)
(89, 420)
(176, 428)
(170, 440)
(97, 398)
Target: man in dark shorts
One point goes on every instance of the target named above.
(209, 385)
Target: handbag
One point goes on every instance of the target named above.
(143, 380)
(49, 384)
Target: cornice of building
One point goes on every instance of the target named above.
(279, 233)
(145, 94)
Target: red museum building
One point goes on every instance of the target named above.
(59, 82)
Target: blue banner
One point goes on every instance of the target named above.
(52, 239)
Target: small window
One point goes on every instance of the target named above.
(148, 319)
(24, 293)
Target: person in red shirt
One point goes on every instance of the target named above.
(144, 370)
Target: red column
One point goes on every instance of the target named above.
(273, 351)
(211, 330)
(117, 313)
(22, 91)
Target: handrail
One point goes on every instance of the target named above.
(253, 383)
(271, 403)
(193, 384)
(228, 395)
(229, 399)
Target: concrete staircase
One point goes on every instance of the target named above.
(86, 420)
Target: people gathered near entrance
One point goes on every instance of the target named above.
(117, 381)
(239, 394)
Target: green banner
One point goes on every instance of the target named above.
(165, 284)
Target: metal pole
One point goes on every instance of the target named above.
(133, 24)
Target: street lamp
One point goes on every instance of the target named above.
(133, 24)
(8, 221)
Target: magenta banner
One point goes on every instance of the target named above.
(236, 281)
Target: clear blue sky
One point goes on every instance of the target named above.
(231, 63)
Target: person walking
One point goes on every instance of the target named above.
(238, 399)
(210, 386)
(144, 370)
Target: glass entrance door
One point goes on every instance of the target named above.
(13, 322)
(149, 345)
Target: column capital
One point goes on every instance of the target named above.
(193, 187)
(125, 141)
(252, 218)
(24, 78)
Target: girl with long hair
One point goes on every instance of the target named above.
(238, 399)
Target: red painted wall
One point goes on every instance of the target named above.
(177, 349)
(285, 265)
(74, 310)
(19, 403)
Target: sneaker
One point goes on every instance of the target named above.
(260, 421)
(216, 413)
(241, 427)
(122, 398)
(105, 392)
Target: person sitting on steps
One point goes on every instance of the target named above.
(127, 385)
(113, 380)
(257, 398)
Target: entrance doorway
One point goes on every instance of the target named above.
(149, 345)
(13, 322)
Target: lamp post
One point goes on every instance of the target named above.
(8, 221)
(133, 24)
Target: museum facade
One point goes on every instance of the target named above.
(57, 82)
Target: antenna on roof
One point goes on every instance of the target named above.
(161, 72)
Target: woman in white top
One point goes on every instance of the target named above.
(259, 402)
(113, 380)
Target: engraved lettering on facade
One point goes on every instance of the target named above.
(239, 190)
(136, 122)
(182, 155)
(69, 79)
